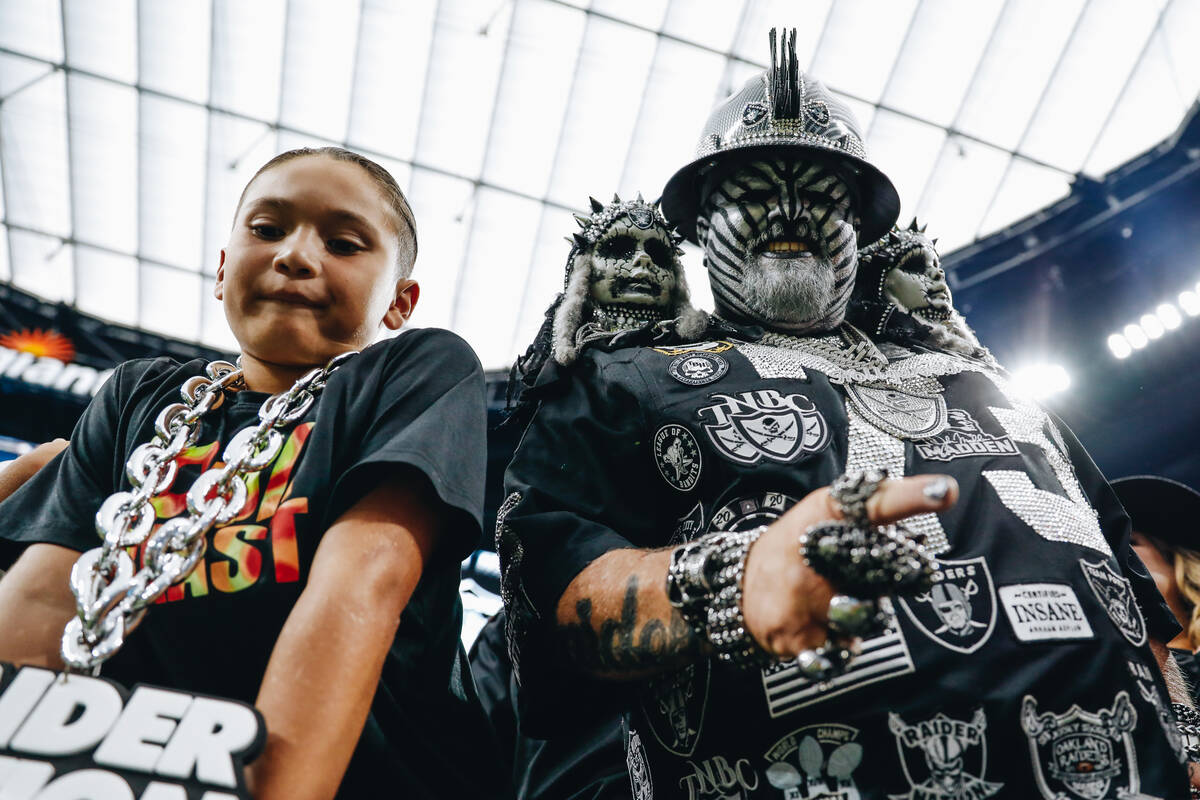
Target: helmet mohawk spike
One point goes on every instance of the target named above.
(785, 85)
(616, 198)
(582, 220)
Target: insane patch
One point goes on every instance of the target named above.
(639, 770)
(816, 762)
(1115, 593)
(699, 347)
(959, 612)
(943, 757)
(747, 513)
(882, 657)
(1085, 753)
(963, 438)
(697, 369)
(905, 415)
(750, 426)
(1040, 612)
(677, 456)
(674, 704)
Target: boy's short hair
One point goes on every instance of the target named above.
(407, 252)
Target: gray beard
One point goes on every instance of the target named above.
(788, 295)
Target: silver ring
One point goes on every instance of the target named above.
(852, 489)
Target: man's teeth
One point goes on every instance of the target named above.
(786, 247)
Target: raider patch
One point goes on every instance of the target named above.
(963, 438)
(747, 513)
(639, 770)
(677, 455)
(673, 705)
(1082, 752)
(751, 426)
(1115, 593)
(697, 369)
(902, 414)
(953, 758)
(699, 347)
(816, 762)
(959, 612)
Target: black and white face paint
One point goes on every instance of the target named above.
(633, 266)
(780, 241)
(918, 284)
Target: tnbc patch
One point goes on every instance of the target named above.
(750, 426)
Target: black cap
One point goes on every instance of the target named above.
(1162, 508)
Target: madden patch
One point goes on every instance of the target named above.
(1041, 612)
(754, 425)
(747, 513)
(943, 757)
(959, 612)
(677, 455)
(719, 346)
(638, 768)
(1081, 753)
(74, 736)
(697, 369)
(963, 438)
(673, 705)
(816, 762)
(879, 658)
(904, 415)
(753, 114)
(1115, 593)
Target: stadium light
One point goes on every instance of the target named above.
(1119, 346)
(1189, 301)
(1152, 326)
(1136, 336)
(1169, 316)
(1042, 380)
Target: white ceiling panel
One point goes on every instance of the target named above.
(104, 162)
(102, 37)
(526, 125)
(499, 117)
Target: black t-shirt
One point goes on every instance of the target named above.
(414, 402)
(1024, 673)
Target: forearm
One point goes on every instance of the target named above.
(35, 606)
(614, 620)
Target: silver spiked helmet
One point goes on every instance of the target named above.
(783, 109)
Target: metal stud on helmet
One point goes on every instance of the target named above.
(783, 111)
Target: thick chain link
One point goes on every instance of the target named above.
(111, 596)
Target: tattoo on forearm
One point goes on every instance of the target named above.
(626, 644)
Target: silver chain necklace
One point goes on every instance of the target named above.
(110, 596)
(847, 355)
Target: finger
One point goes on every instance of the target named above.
(898, 498)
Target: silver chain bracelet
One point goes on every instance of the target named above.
(111, 597)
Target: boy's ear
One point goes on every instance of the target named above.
(219, 286)
(405, 300)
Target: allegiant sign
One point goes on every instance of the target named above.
(44, 371)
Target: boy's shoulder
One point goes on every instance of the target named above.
(137, 373)
(434, 349)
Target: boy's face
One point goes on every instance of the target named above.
(310, 268)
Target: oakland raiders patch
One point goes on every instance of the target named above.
(1115, 593)
(699, 347)
(1083, 753)
(674, 704)
(697, 369)
(959, 612)
(751, 426)
(816, 762)
(639, 770)
(963, 438)
(753, 114)
(747, 513)
(689, 526)
(904, 415)
(677, 456)
(1040, 612)
(943, 757)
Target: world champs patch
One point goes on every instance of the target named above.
(677, 456)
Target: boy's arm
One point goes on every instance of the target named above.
(23, 467)
(35, 605)
(327, 660)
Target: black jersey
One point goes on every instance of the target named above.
(1025, 672)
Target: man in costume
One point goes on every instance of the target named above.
(766, 634)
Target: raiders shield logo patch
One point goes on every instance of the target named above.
(959, 612)
(677, 455)
(641, 216)
(697, 369)
(753, 114)
(1081, 753)
(1115, 593)
(943, 757)
(751, 426)
(901, 414)
(816, 762)
(673, 706)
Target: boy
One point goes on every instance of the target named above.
(340, 573)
